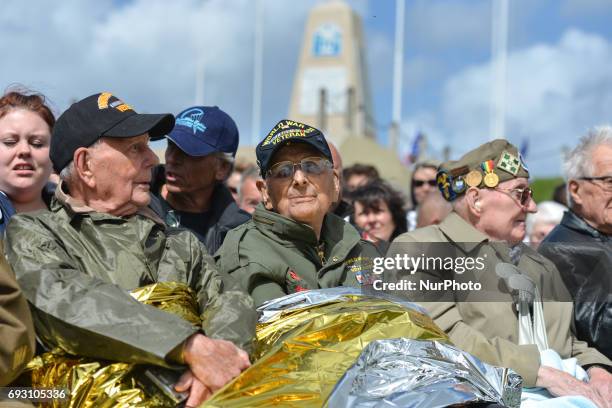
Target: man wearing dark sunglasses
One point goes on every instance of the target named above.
(581, 245)
(292, 243)
(489, 191)
(423, 180)
(422, 184)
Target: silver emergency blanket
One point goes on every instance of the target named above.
(422, 374)
(273, 308)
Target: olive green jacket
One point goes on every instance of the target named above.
(16, 329)
(486, 325)
(272, 256)
(76, 266)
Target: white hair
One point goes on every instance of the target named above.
(226, 158)
(66, 173)
(548, 212)
(579, 161)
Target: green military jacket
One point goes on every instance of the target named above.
(76, 266)
(16, 329)
(272, 256)
(487, 327)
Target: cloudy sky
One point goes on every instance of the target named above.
(559, 78)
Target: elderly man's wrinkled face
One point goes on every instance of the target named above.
(121, 170)
(304, 196)
(594, 197)
(504, 210)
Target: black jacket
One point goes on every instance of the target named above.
(224, 215)
(583, 255)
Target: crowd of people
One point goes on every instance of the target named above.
(88, 214)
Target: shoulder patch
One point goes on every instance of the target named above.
(361, 267)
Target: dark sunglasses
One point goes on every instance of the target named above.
(420, 183)
(311, 166)
(523, 195)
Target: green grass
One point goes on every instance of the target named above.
(543, 188)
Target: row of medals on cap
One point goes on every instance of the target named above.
(460, 183)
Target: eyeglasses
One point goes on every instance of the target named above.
(606, 181)
(523, 195)
(420, 183)
(311, 166)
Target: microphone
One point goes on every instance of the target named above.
(505, 270)
(520, 285)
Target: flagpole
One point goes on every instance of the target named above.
(398, 70)
(499, 61)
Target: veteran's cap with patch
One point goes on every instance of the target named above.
(101, 115)
(288, 131)
(486, 166)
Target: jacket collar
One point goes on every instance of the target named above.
(75, 207)
(223, 205)
(338, 236)
(573, 221)
(461, 232)
(221, 200)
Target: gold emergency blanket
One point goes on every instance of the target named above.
(306, 341)
(105, 384)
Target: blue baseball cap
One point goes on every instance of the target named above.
(202, 130)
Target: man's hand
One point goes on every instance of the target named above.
(561, 384)
(198, 393)
(601, 381)
(214, 363)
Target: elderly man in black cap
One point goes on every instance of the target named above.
(77, 262)
(293, 243)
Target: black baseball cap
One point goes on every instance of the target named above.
(289, 131)
(101, 115)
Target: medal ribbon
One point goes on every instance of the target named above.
(488, 166)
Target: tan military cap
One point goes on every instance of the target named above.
(486, 166)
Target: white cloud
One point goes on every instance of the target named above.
(555, 92)
(145, 51)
